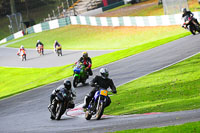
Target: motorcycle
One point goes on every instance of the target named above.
(80, 75)
(59, 51)
(191, 25)
(22, 54)
(59, 105)
(97, 104)
(40, 49)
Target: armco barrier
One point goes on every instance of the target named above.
(164, 20)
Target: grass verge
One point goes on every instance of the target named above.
(192, 127)
(175, 88)
(91, 37)
(14, 80)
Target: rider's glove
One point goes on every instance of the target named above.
(114, 91)
(86, 68)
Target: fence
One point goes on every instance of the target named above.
(174, 6)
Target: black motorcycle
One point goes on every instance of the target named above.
(191, 25)
(59, 105)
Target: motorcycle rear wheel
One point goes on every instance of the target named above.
(87, 115)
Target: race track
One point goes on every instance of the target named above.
(28, 112)
(9, 58)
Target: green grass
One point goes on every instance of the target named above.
(14, 80)
(172, 89)
(90, 37)
(192, 127)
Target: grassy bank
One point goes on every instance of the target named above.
(172, 89)
(14, 80)
(192, 127)
(91, 37)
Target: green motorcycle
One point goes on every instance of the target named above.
(80, 74)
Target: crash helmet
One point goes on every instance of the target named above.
(67, 84)
(38, 41)
(55, 41)
(104, 73)
(184, 10)
(21, 46)
(85, 55)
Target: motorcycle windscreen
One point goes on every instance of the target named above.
(77, 70)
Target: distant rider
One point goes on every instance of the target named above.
(21, 49)
(39, 43)
(188, 14)
(67, 88)
(56, 45)
(87, 62)
(103, 82)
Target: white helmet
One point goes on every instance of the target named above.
(104, 73)
(21, 46)
(38, 41)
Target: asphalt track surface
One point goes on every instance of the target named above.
(9, 58)
(28, 112)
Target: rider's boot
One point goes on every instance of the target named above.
(87, 100)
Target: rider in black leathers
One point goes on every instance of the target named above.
(67, 88)
(39, 43)
(189, 14)
(103, 82)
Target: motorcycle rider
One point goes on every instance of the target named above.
(188, 14)
(87, 62)
(21, 49)
(56, 44)
(67, 88)
(39, 43)
(103, 82)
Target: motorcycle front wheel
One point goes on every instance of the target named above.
(59, 111)
(75, 82)
(192, 30)
(100, 111)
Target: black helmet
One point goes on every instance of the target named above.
(85, 55)
(184, 10)
(104, 73)
(67, 84)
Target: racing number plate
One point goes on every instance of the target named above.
(104, 92)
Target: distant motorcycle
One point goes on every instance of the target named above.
(40, 49)
(191, 25)
(59, 105)
(22, 54)
(80, 74)
(97, 104)
(59, 51)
